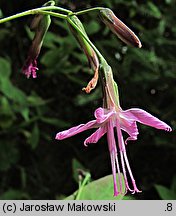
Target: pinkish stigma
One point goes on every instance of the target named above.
(30, 68)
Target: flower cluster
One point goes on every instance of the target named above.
(109, 119)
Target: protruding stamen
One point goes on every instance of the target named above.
(130, 172)
(114, 173)
(119, 174)
(124, 159)
(113, 152)
(135, 187)
(124, 172)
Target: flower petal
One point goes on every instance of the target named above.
(129, 126)
(95, 136)
(102, 115)
(145, 118)
(75, 130)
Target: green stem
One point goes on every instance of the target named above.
(37, 11)
(81, 186)
(102, 59)
(53, 14)
(58, 8)
(87, 10)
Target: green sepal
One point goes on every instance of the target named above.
(108, 84)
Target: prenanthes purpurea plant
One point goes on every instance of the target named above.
(110, 119)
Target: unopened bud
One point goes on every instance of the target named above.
(119, 28)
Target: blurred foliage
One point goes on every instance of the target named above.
(35, 166)
(167, 193)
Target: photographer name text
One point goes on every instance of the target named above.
(68, 207)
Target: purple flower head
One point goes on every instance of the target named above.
(113, 122)
(40, 25)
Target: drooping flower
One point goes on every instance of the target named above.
(40, 25)
(113, 120)
(88, 51)
(119, 28)
(106, 121)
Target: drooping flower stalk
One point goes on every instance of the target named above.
(112, 118)
(88, 50)
(40, 25)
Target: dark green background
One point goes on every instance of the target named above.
(35, 166)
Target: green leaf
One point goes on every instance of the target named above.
(5, 68)
(165, 193)
(154, 9)
(161, 27)
(34, 138)
(50, 57)
(101, 189)
(51, 40)
(92, 27)
(55, 122)
(25, 113)
(35, 100)
(6, 86)
(6, 114)
(12, 92)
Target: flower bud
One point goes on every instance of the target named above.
(119, 28)
(87, 49)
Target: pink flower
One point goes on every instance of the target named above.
(106, 120)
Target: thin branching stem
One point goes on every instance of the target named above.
(37, 11)
(88, 10)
